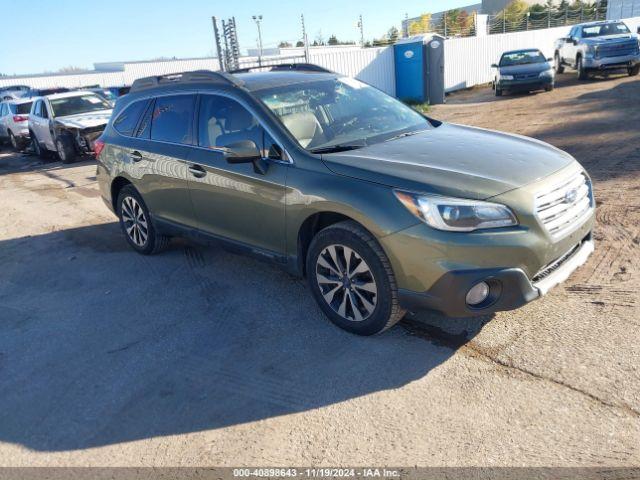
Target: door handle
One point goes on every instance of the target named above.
(135, 156)
(197, 171)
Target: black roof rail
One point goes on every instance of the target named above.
(198, 76)
(297, 67)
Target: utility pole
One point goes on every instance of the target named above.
(258, 20)
(361, 27)
(305, 40)
(216, 36)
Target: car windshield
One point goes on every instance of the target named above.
(79, 104)
(340, 113)
(522, 58)
(604, 29)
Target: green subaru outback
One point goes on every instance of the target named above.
(382, 210)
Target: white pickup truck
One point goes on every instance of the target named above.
(598, 47)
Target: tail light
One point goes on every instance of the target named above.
(20, 118)
(98, 146)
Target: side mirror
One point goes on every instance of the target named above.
(246, 151)
(574, 41)
(494, 65)
(550, 59)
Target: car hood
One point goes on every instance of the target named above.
(454, 160)
(528, 68)
(86, 120)
(610, 39)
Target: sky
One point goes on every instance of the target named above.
(52, 34)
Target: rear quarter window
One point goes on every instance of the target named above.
(126, 122)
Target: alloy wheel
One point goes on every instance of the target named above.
(135, 221)
(346, 283)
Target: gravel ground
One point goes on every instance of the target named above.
(200, 357)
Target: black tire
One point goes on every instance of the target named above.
(633, 71)
(549, 88)
(558, 64)
(583, 74)
(387, 311)
(154, 242)
(37, 148)
(65, 149)
(15, 143)
(497, 89)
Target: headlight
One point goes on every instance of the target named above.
(505, 77)
(457, 214)
(547, 73)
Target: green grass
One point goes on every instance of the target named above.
(418, 106)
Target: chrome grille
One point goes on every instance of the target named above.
(618, 50)
(565, 205)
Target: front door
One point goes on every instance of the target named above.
(237, 201)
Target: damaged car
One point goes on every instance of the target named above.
(67, 123)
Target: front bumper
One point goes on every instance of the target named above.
(527, 85)
(611, 63)
(510, 288)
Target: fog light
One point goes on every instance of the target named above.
(478, 294)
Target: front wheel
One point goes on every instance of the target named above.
(558, 64)
(136, 223)
(65, 149)
(15, 144)
(583, 74)
(633, 71)
(351, 279)
(549, 88)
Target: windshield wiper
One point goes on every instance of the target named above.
(405, 134)
(340, 147)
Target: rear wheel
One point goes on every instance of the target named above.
(351, 279)
(39, 151)
(136, 223)
(633, 71)
(558, 64)
(15, 144)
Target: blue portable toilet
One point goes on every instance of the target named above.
(419, 63)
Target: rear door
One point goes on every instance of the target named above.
(155, 150)
(46, 127)
(234, 200)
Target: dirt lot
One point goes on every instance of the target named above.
(201, 357)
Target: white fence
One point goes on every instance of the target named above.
(376, 66)
(372, 65)
(468, 60)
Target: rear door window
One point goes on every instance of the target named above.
(128, 119)
(172, 119)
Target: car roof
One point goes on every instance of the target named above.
(598, 22)
(75, 93)
(522, 50)
(19, 101)
(255, 81)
